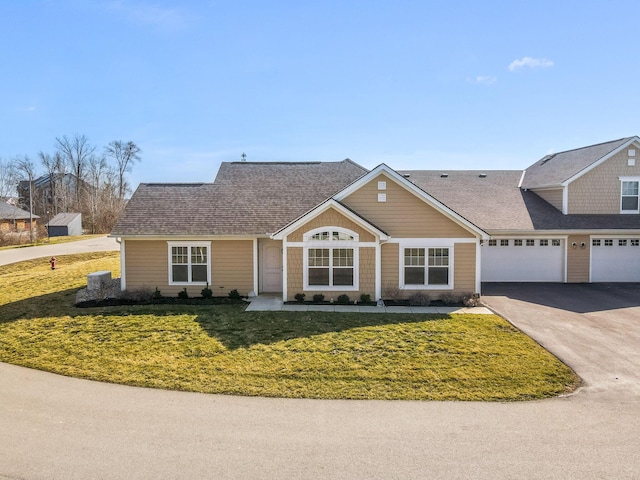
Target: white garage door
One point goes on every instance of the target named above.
(523, 260)
(615, 260)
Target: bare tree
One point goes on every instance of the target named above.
(56, 193)
(125, 155)
(8, 178)
(26, 169)
(77, 151)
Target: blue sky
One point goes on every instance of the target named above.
(414, 84)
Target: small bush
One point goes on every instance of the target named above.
(471, 299)
(318, 298)
(299, 297)
(419, 299)
(157, 294)
(450, 298)
(139, 295)
(391, 292)
(365, 298)
(206, 292)
(343, 299)
(234, 294)
(183, 294)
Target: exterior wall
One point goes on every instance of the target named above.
(554, 197)
(598, 191)
(146, 263)
(330, 218)
(578, 259)
(465, 267)
(403, 215)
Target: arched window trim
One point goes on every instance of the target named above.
(307, 236)
(330, 244)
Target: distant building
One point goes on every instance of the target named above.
(65, 224)
(13, 219)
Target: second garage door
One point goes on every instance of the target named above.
(523, 260)
(615, 260)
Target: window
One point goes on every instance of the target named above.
(595, 242)
(622, 243)
(493, 243)
(530, 242)
(426, 267)
(517, 243)
(555, 242)
(608, 243)
(504, 243)
(331, 259)
(189, 263)
(544, 243)
(629, 196)
(634, 242)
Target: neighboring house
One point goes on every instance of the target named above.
(335, 227)
(13, 219)
(65, 224)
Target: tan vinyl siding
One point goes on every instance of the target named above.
(578, 259)
(147, 267)
(403, 214)
(294, 272)
(554, 197)
(598, 191)
(330, 218)
(390, 253)
(464, 267)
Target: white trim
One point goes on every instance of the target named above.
(426, 243)
(565, 200)
(450, 241)
(478, 268)
(635, 179)
(306, 237)
(331, 288)
(417, 191)
(320, 243)
(123, 267)
(256, 284)
(378, 266)
(522, 179)
(323, 207)
(189, 245)
(285, 268)
(601, 160)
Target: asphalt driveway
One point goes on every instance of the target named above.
(594, 328)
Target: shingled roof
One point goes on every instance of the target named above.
(9, 212)
(246, 198)
(552, 170)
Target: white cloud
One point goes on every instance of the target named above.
(483, 80)
(530, 63)
(146, 14)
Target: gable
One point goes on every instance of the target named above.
(403, 214)
(330, 218)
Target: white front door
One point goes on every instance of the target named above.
(271, 266)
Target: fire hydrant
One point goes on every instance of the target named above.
(53, 263)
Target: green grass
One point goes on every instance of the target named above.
(222, 349)
(53, 241)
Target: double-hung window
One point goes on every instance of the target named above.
(629, 195)
(331, 259)
(426, 267)
(189, 263)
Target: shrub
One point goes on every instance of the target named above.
(206, 292)
(299, 297)
(392, 292)
(419, 299)
(471, 299)
(156, 294)
(343, 299)
(234, 294)
(365, 298)
(318, 298)
(139, 295)
(450, 298)
(183, 294)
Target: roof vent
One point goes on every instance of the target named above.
(547, 158)
(444, 175)
(483, 175)
(406, 175)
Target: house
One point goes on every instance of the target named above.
(14, 219)
(65, 224)
(336, 228)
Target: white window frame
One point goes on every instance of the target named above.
(331, 244)
(426, 244)
(170, 245)
(622, 182)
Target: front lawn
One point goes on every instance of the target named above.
(222, 349)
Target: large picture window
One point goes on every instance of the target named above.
(426, 267)
(331, 259)
(189, 263)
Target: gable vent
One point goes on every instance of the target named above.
(444, 175)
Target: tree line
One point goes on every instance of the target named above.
(75, 177)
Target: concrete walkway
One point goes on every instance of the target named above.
(96, 244)
(271, 303)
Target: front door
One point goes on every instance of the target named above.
(271, 266)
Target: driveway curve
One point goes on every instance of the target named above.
(54, 427)
(97, 244)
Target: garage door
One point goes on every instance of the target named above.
(523, 260)
(615, 260)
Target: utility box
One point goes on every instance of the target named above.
(98, 280)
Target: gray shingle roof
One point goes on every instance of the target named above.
(63, 219)
(552, 170)
(9, 212)
(246, 198)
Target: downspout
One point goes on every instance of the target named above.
(123, 279)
